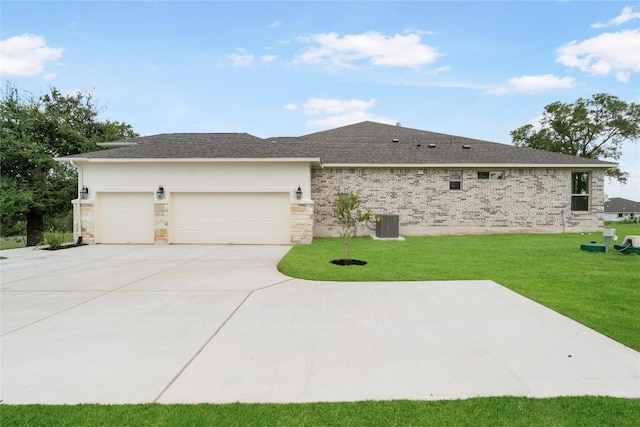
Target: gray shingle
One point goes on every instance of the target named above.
(620, 205)
(360, 143)
(375, 143)
(196, 145)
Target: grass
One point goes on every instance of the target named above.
(495, 412)
(16, 242)
(11, 243)
(599, 290)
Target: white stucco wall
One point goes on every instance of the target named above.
(196, 176)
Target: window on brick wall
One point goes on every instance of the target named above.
(491, 175)
(580, 191)
(455, 180)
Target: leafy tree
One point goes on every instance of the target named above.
(34, 131)
(349, 215)
(595, 128)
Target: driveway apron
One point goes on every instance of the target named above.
(196, 323)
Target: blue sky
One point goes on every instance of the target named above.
(478, 68)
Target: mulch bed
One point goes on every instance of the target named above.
(348, 262)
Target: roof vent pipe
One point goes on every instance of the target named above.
(398, 124)
(466, 147)
(395, 140)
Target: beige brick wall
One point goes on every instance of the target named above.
(526, 200)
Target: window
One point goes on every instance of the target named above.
(491, 175)
(455, 180)
(580, 191)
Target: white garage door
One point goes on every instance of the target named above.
(124, 218)
(249, 218)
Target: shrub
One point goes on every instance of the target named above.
(53, 238)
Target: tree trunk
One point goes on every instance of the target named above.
(35, 228)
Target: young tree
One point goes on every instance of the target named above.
(593, 128)
(35, 130)
(349, 215)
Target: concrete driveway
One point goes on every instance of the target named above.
(182, 324)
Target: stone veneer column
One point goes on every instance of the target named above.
(83, 210)
(161, 222)
(301, 222)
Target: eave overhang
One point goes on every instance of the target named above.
(77, 160)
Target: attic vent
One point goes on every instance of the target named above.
(418, 145)
(395, 140)
(432, 145)
(466, 147)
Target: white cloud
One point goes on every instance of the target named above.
(339, 112)
(420, 32)
(241, 59)
(275, 24)
(350, 118)
(626, 15)
(25, 55)
(532, 84)
(336, 106)
(269, 58)
(374, 48)
(608, 53)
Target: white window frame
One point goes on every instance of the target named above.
(581, 193)
(458, 180)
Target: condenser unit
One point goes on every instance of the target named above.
(388, 227)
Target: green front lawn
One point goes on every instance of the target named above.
(599, 290)
(490, 412)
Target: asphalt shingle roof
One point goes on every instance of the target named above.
(376, 143)
(194, 146)
(360, 143)
(620, 205)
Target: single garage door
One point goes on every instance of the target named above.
(124, 218)
(244, 218)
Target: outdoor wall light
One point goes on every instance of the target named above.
(299, 193)
(84, 193)
(160, 193)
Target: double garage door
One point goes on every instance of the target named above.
(218, 218)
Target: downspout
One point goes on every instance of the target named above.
(80, 183)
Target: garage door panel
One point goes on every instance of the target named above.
(250, 218)
(125, 218)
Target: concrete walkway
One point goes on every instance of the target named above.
(182, 324)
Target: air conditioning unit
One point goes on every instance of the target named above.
(388, 227)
